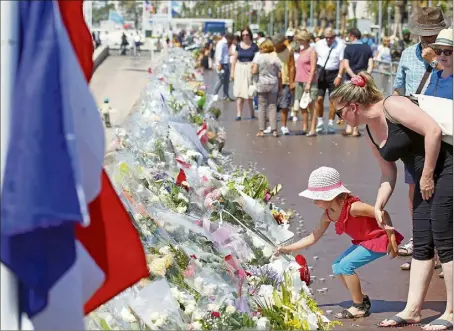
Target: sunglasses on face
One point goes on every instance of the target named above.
(340, 110)
(447, 52)
(330, 38)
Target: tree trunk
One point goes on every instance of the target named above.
(398, 6)
(296, 17)
(344, 14)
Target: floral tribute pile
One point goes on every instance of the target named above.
(208, 228)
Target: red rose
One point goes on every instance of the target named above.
(215, 314)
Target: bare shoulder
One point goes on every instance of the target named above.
(359, 208)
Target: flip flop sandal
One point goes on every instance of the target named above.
(406, 266)
(356, 134)
(441, 322)
(405, 250)
(238, 118)
(441, 275)
(400, 322)
(275, 134)
(346, 315)
(346, 134)
(260, 134)
(311, 134)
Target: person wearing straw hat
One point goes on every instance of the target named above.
(440, 84)
(357, 220)
(415, 66)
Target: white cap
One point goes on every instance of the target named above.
(289, 33)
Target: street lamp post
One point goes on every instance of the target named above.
(388, 32)
(312, 14)
(380, 16)
(286, 15)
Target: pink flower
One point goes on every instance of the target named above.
(190, 271)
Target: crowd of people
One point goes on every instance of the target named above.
(291, 73)
(295, 86)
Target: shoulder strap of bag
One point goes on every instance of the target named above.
(330, 50)
(424, 79)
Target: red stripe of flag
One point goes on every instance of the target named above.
(110, 239)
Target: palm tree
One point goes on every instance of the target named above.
(344, 14)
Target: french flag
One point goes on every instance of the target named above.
(65, 234)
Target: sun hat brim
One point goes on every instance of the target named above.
(425, 31)
(328, 195)
(440, 43)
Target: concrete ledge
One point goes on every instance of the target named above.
(99, 55)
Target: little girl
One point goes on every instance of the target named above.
(356, 219)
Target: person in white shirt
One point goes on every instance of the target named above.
(222, 58)
(330, 53)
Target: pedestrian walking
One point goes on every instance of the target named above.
(268, 68)
(306, 83)
(330, 53)
(399, 129)
(415, 67)
(222, 58)
(288, 72)
(357, 57)
(241, 72)
(356, 219)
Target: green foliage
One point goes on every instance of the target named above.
(102, 13)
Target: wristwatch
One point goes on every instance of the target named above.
(434, 64)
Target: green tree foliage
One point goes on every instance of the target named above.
(102, 13)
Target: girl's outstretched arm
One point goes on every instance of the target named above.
(310, 239)
(363, 209)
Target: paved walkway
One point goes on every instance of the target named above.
(122, 79)
(289, 161)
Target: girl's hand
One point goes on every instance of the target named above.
(307, 87)
(280, 250)
(427, 186)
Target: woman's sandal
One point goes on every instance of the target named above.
(367, 302)
(400, 322)
(441, 322)
(345, 314)
(311, 134)
(275, 134)
(406, 250)
(260, 134)
(406, 266)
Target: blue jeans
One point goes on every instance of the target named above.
(224, 80)
(256, 102)
(353, 258)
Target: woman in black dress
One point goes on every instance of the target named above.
(398, 129)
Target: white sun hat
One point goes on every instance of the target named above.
(444, 38)
(324, 184)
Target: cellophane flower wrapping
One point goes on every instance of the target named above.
(205, 224)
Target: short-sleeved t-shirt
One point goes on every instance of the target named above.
(269, 67)
(358, 56)
(246, 55)
(439, 87)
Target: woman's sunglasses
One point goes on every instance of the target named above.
(339, 111)
(447, 52)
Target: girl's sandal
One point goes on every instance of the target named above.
(260, 134)
(367, 302)
(345, 314)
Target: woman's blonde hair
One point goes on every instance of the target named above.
(385, 40)
(353, 92)
(266, 46)
(303, 35)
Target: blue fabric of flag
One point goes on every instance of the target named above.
(40, 205)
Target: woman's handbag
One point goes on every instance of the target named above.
(440, 109)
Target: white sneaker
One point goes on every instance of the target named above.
(285, 131)
(267, 130)
(320, 127)
(331, 129)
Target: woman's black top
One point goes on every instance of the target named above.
(408, 145)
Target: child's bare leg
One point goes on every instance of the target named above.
(354, 287)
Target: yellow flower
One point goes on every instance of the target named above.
(168, 260)
(158, 267)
